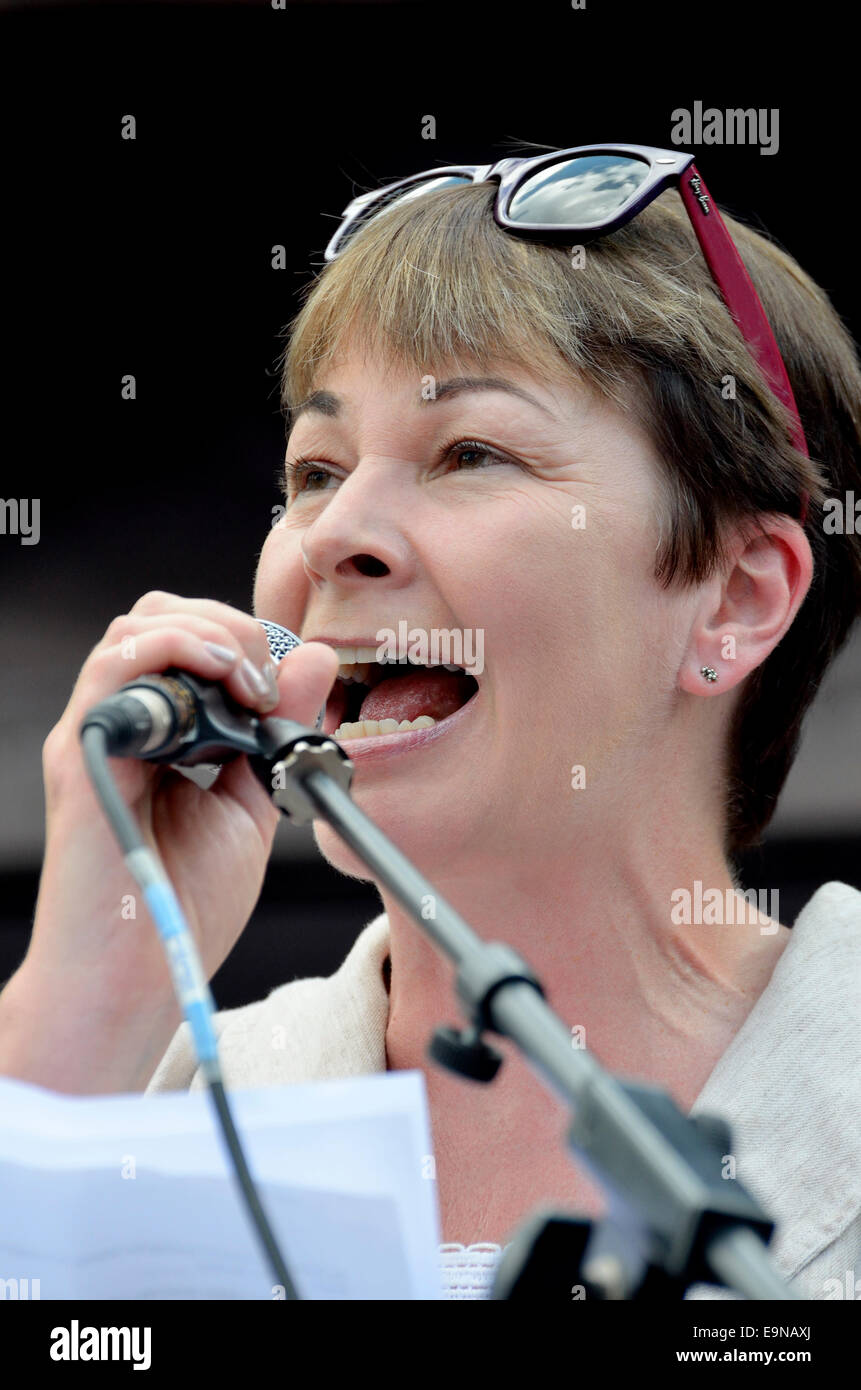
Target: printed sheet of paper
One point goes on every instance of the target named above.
(133, 1197)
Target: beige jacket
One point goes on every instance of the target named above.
(789, 1083)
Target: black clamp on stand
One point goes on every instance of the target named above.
(464, 1050)
(673, 1218)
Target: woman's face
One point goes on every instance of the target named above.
(522, 516)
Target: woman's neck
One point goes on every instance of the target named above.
(651, 994)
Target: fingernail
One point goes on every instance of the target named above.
(270, 675)
(223, 654)
(263, 691)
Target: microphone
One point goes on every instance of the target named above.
(179, 718)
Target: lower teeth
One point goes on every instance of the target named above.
(370, 728)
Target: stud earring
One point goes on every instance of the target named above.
(709, 673)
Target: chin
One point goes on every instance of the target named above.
(427, 849)
(339, 855)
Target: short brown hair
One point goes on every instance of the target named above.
(436, 280)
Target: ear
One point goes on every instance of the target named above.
(748, 607)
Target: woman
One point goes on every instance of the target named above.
(568, 453)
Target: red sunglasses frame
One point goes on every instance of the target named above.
(666, 167)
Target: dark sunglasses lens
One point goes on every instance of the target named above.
(581, 192)
(418, 190)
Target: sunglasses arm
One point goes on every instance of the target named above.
(740, 295)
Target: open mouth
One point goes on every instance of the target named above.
(372, 698)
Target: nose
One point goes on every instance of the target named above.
(358, 536)
(363, 564)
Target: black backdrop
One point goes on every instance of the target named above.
(153, 257)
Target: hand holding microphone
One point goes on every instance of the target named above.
(185, 720)
(92, 1005)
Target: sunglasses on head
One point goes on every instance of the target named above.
(589, 191)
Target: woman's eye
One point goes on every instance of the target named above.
(303, 476)
(472, 455)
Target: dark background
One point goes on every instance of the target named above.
(153, 257)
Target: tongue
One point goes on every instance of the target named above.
(437, 693)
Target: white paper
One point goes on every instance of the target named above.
(133, 1197)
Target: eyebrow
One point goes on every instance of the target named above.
(327, 403)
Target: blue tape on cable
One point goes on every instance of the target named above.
(189, 980)
(166, 911)
(199, 1018)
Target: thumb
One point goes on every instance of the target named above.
(305, 679)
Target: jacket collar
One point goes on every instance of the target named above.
(789, 1084)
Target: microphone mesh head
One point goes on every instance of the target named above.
(281, 640)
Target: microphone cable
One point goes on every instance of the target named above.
(189, 980)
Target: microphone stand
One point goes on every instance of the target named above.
(672, 1219)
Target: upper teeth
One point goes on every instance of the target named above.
(348, 656)
(354, 663)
